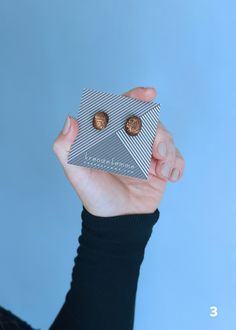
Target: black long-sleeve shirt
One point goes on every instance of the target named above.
(105, 274)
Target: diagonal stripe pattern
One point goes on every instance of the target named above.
(140, 146)
(118, 108)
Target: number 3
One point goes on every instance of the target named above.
(214, 311)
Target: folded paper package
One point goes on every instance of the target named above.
(116, 134)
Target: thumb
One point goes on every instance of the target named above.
(61, 146)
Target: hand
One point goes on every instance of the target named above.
(106, 194)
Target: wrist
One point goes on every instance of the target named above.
(118, 232)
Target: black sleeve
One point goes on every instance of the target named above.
(105, 274)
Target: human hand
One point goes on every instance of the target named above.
(107, 194)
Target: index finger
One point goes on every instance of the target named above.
(142, 93)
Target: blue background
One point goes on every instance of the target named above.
(49, 51)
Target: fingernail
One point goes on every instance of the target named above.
(175, 174)
(165, 171)
(66, 127)
(161, 148)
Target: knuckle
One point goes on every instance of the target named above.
(170, 137)
(172, 151)
(164, 133)
(167, 136)
(164, 136)
(181, 161)
(181, 166)
(55, 146)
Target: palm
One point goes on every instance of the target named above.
(112, 193)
